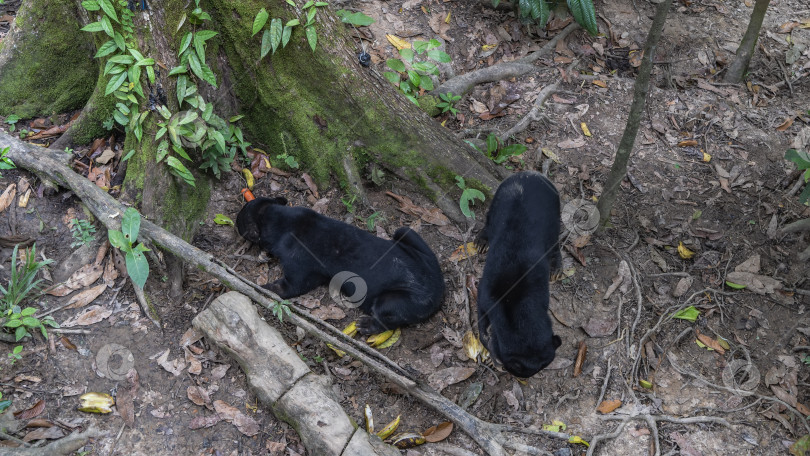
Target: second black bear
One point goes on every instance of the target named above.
(521, 237)
(402, 278)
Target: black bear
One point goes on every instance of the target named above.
(395, 283)
(521, 240)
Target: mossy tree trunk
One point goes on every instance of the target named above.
(334, 115)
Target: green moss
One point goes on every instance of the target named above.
(428, 104)
(52, 69)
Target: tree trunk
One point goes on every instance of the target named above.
(46, 63)
(641, 88)
(739, 66)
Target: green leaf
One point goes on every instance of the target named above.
(492, 144)
(439, 56)
(106, 49)
(308, 4)
(150, 73)
(426, 68)
(137, 268)
(185, 42)
(434, 43)
(106, 25)
(128, 155)
(181, 171)
(584, 13)
(123, 108)
(108, 8)
(19, 333)
(420, 46)
(469, 195)
(690, 314)
(162, 150)
(800, 158)
(285, 35)
(413, 76)
(90, 5)
(395, 64)
(93, 27)
(735, 286)
(136, 54)
(181, 152)
(275, 33)
(310, 16)
(266, 46)
(292, 22)
(120, 42)
(178, 70)
(199, 46)
(259, 21)
(514, 149)
(201, 70)
(28, 311)
(312, 37)
(804, 197)
(145, 62)
(426, 83)
(393, 78)
(359, 19)
(407, 54)
(131, 224)
(125, 59)
(221, 219)
(117, 239)
(182, 80)
(115, 83)
(291, 3)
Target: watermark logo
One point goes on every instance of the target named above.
(114, 361)
(348, 282)
(580, 217)
(741, 375)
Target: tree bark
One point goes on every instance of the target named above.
(642, 86)
(739, 66)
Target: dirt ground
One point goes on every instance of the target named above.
(617, 284)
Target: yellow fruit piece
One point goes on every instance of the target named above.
(369, 419)
(248, 178)
(706, 157)
(585, 130)
(645, 384)
(376, 340)
(487, 47)
(472, 346)
(96, 403)
(447, 19)
(408, 440)
(579, 440)
(389, 428)
(550, 154)
(350, 329)
(684, 252)
(398, 42)
(338, 351)
(391, 340)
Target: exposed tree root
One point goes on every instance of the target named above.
(533, 115)
(652, 422)
(64, 446)
(491, 437)
(462, 84)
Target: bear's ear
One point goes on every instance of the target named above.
(280, 200)
(556, 341)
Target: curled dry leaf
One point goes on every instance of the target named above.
(31, 412)
(433, 216)
(245, 424)
(439, 432)
(711, 343)
(443, 378)
(583, 351)
(50, 433)
(91, 315)
(329, 313)
(608, 406)
(198, 395)
(8, 196)
(200, 422)
(86, 297)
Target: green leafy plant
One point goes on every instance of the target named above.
(411, 74)
(23, 133)
(371, 221)
(354, 18)
(82, 231)
(468, 196)
(448, 102)
(24, 320)
(5, 162)
(277, 35)
(12, 120)
(15, 355)
(23, 282)
(499, 154)
(806, 359)
(281, 308)
(348, 201)
(289, 160)
(124, 240)
(802, 161)
(538, 12)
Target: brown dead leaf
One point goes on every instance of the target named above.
(443, 378)
(200, 422)
(561, 100)
(86, 297)
(711, 343)
(198, 395)
(110, 273)
(105, 156)
(463, 252)
(572, 143)
(91, 315)
(194, 363)
(438, 433)
(31, 412)
(85, 276)
(7, 18)
(477, 107)
(600, 326)
(67, 343)
(600, 83)
(51, 433)
(803, 409)
(786, 124)
(56, 130)
(329, 313)
(310, 185)
(634, 57)
(433, 216)
(175, 367)
(439, 26)
(688, 143)
(608, 406)
(39, 423)
(244, 423)
(8, 196)
(580, 360)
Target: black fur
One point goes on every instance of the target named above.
(405, 284)
(521, 236)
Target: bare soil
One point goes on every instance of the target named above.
(724, 208)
